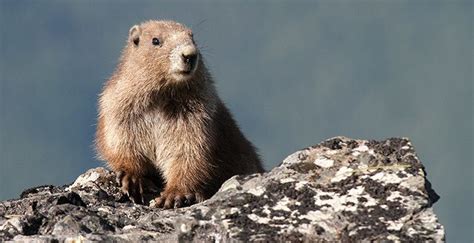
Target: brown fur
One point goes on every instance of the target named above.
(154, 125)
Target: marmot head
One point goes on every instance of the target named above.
(163, 50)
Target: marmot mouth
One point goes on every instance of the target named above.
(185, 72)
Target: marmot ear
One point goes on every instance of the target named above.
(134, 34)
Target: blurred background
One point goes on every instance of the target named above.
(293, 73)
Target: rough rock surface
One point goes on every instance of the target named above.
(339, 190)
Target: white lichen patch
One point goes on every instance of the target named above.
(257, 191)
(370, 201)
(394, 225)
(14, 223)
(310, 229)
(217, 237)
(266, 210)
(412, 182)
(363, 167)
(129, 227)
(409, 202)
(300, 184)
(184, 228)
(411, 231)
(287, 180)
(230, 184)
(394, 196)
(315, 216)
(292, 158)
(282, 204)
(430, 223)
(428, 217)
(324, 162)
(342, 174)
(104, 209)
(393, 238)
(362, 148)
(83, 179)
(304, 228)
(359, 228)
(403, 174)
(258, 219)
(336, 202)
(332, 152)
(234, 210)
(387, 177)
(294, 214)
(355, 191)
(346, 202)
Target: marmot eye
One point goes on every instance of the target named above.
(155, 41)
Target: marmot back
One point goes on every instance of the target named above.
(160, 120)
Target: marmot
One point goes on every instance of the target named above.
(161, 118)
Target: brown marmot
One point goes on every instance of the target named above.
(161, 118)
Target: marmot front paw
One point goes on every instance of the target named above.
(176, 199)
(132, 185)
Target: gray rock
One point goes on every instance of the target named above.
(339, 190)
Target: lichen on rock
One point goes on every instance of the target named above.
(339, 190)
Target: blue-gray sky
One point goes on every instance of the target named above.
(292, 72)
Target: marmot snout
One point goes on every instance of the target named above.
(160, 119)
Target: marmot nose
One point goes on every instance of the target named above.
(189, 58)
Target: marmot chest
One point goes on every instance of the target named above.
(176, 138)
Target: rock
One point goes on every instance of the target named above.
(339, 190)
